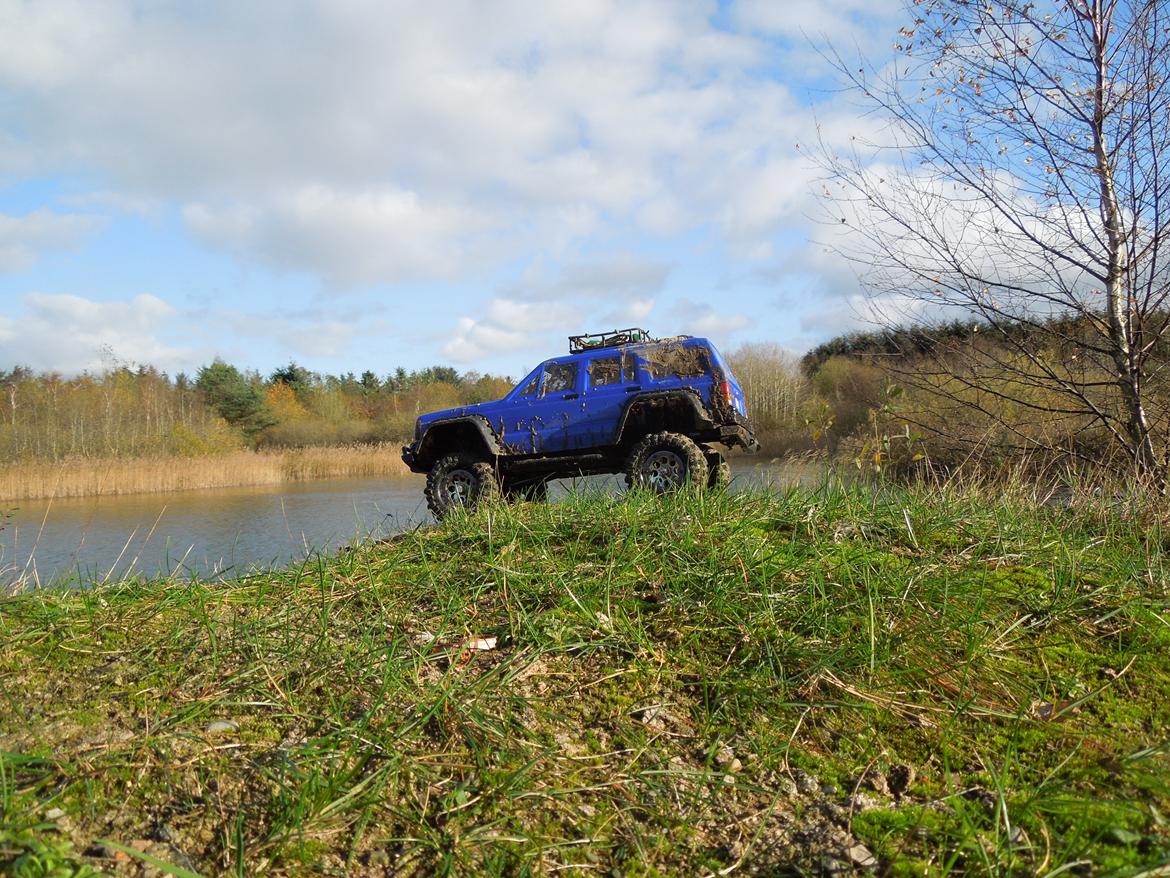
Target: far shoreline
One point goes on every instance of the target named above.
(118, 476)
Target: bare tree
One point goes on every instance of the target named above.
(1020, 183)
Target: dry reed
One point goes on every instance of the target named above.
(90, 477)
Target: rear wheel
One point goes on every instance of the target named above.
(459, 481)
(718, 469)
(665, 462)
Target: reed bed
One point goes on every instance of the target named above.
(91, 477)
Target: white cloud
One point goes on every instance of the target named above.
(305, 336)
(879, 267)
(24, 238)
(114, 202)
(633, 312)
(798, 17)
(352, 238)
(372, 142)
(701, 318)
(617, 276)
(71, 334)
(531, 316)
(510, 326)
(600, 293)
(474, 340)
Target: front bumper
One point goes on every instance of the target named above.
(410, 457)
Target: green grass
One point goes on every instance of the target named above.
(962, 684)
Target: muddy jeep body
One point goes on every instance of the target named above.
(586, 413)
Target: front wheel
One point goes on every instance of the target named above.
(458, 481)
(665, 462)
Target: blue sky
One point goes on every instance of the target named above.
(355, 185)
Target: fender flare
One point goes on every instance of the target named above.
(478, 423)
(685, 394)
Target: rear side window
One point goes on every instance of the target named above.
(611, 370)
(559, 378)
(677, 361)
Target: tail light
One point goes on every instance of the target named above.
(725, 389)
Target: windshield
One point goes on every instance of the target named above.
(528, 385)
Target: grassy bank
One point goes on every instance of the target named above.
(818, 680)
(92, 477)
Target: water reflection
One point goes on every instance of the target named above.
(227, 532)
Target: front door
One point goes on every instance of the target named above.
(544, 424)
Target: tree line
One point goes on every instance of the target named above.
(883, 399)
(141, 411)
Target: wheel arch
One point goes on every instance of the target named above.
(674, 411)
(469, 434)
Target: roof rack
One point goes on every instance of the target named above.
(613, 338)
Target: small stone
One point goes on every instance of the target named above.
(378, 858)
(162, 832)
(806, 783)
(54, 814)
(734, 766)
(861, 802)
(480, 644)
(729, 778)
(900, 777)
(834, 811)
(861, 856)
(876, 781)
(788, 787)
(834, 866)
(986, 798)
(654, 716)
(222, 725)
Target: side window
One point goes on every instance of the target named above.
(605, 370)
(559, 378)
(531, 386)
(676, 361)
(611, 370)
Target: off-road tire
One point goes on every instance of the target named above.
(718, 469)
(459, 481)
(664, 462)
(533, 491)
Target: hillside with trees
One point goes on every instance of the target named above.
(139, 412)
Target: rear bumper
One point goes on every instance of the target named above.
(739, 434)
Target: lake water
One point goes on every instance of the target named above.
(230, 531)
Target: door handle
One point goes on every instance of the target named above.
(569, 396)
(633, 389)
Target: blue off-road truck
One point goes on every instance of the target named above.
(619, 402)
